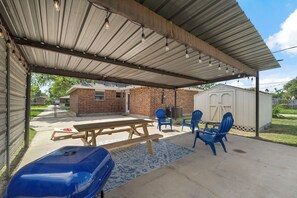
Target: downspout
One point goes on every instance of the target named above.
(28, 105)
(7, 112)
(257, 104)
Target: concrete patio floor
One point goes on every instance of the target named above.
(261, 169)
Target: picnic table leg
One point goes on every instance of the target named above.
(85, 139)
(130, 134)
(94, 143)
(148, 143)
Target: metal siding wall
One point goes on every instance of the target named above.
(17, 104)
(2, 102)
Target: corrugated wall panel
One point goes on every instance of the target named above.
(2, 102)
(17, 104)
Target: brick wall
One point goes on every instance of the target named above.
(140, 101)
(86, 102)
(145, 100)
(74, 102)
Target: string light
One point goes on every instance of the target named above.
(106, 23)
(209, 62)
(57, 5)
(238, 75)
(142, 34)
(227, 70)
(219, 67)
(166, 45)
(252, 79)
(200, 60)
(8, 43)
(187, 54)
(1, 33)
(233, 72)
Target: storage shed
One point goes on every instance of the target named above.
(240, 102)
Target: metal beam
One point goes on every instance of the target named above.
(225, 78)
(28, 105)
(257, 105)
(7, 112)
(89, 56)
(61, 72)
(149, 19)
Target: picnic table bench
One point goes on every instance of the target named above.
(89, 132)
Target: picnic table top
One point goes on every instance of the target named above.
(110, 124)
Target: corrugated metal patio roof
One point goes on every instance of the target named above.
(74, 40)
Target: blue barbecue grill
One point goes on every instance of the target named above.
(72, 171)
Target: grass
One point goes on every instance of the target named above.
(283, 110)
(283, 130)
(36, 110)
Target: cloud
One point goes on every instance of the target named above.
(286, 37)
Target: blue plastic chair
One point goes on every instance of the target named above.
(196, 117)
(210, 138)
(162, 119)
(214, 129)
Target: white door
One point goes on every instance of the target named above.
(219, 104)
(127, 102)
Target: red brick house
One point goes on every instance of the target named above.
(101, 99)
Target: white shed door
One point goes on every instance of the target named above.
(219, 104)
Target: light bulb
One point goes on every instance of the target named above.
(238, 75)
(167, 47)
(142, 37)
(8, 43)
(187, 55)
(1, 33)
(209, 64)
(233, 73)
(57, 5)
(106, 23)
(227, 70)
(200, 60)
(252, 79)
(219, 68)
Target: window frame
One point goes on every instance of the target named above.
(98, 99)
(121, 95)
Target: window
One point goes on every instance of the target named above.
(118, 94)
(99, 95)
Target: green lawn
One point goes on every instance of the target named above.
(283, 130)
(36, 110)
(283, 110)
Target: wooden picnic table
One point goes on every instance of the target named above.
(89, 132)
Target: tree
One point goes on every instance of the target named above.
(60, 86)
(205, 86)
(291, 89)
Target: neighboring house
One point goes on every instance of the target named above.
(64, 101)
(39, 100)
(100, 99)
(220, 99)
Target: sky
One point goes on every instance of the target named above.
(276, 21)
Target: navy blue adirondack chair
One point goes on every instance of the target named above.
(211, 138)
(163, 119)
(194, 121)
(214, 129)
